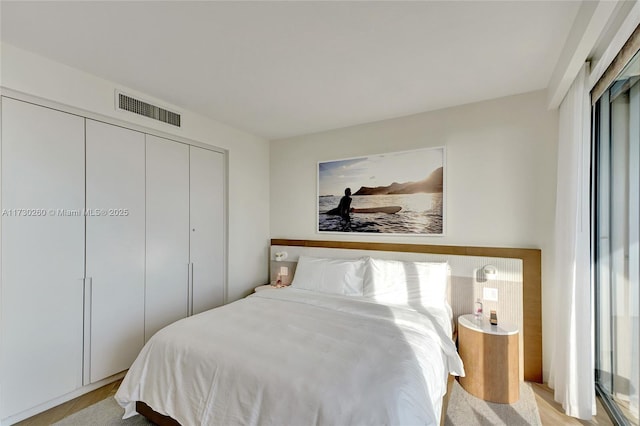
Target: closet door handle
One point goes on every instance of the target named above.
(190, 291)
(192, 279)
(86, 351)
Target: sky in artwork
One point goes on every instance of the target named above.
(377, 170)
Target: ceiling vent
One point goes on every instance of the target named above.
(136, 106)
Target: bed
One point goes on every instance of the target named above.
(359, 341)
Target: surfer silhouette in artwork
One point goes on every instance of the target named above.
(344, 208)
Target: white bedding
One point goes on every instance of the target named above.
(295, 357)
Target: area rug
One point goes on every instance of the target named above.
(104, 413)
(463, 410)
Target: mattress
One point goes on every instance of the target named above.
(297, 357)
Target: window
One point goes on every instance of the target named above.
(616, 203)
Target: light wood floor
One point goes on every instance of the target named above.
(68, 408)
(551, 412)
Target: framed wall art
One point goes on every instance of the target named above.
(396, 193)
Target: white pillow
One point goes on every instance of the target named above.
(398, 282)
(338, 276)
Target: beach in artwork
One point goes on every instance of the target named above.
(410, 184)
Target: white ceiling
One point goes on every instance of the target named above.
(279, 69)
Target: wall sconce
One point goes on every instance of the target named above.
(280, 256)
(490, 272)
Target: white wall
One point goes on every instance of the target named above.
(248, 154)
(500, 176)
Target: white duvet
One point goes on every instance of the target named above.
(295, 357)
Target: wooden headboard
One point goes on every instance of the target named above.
(531, 280)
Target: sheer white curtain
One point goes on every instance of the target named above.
(572, 365)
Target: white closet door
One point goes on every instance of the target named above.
(207, 213)
(115, 246)
(42, 256)
(167, 253)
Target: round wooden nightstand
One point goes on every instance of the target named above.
(491, 359)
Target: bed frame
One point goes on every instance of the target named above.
(532, 309)
(153, 416)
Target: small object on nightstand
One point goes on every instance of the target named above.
(478, 309)
(493, 319)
